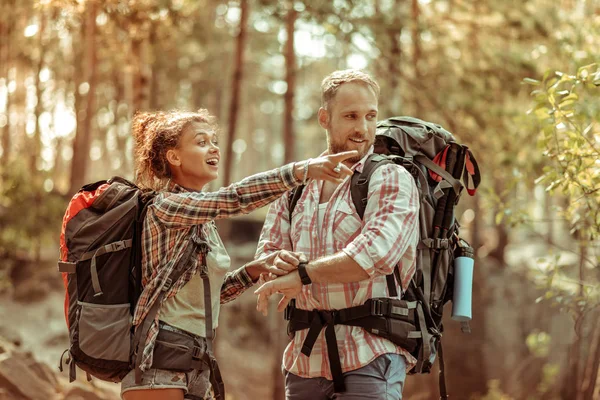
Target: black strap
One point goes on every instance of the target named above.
(391, 284)
(325, 319)
(442, 375)
(216, 379)
(141, 333)
(72, 370)
(295, 195)
(368, 316)
(139, 339)
(359, 188)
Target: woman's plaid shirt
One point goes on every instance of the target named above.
(168, 226)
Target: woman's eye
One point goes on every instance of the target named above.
(202, 143)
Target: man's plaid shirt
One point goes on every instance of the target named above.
(169, 225)
(386, 236)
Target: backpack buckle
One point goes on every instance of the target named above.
(377, 307)
(197, 352)
(167, 285)
(203, 270)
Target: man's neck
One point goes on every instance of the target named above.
(327, 191)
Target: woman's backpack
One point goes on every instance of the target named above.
(100, 261)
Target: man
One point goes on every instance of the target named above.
(349, 258)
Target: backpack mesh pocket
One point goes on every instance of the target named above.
(104, 331)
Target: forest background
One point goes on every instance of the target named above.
(517, 81)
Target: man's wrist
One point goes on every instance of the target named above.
(304, 276)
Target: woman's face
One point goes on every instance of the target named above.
(195, 162)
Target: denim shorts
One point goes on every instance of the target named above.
(195, 384)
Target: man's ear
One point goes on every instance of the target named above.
(323, 116)
(173, 157)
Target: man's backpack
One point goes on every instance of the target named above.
(100, 261)
(438, 164)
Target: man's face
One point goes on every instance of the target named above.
(350, 120)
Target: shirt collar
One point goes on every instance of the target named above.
(361, 163)
(175, 188)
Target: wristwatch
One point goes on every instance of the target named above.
(303, 274)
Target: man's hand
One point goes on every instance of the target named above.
(289, 285)
(278, 263)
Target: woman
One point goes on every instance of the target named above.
(177, 154)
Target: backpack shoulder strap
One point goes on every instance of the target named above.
(359, 188)
(295, 195)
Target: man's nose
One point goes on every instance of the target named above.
(362, 127)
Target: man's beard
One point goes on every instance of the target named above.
(335, 148)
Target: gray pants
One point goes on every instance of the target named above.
(382, 379)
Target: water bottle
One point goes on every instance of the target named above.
(463, 282)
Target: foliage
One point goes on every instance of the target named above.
(567, 108)
(30, 215)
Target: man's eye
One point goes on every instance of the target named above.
(216, 143)
(372, 116)
(202, 142)
(351, 116)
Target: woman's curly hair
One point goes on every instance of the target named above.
(154, 133)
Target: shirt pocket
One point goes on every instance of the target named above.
(346, 224)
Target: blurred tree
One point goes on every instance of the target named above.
(290, 79)
(85, 116)
(235, 89)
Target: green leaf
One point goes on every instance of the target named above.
(499, 217)
(531, 81)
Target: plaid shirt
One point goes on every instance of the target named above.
(169, 223)
(387, 236)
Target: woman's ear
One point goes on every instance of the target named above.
(323, 116)
(173, 157)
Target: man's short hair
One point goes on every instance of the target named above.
(333, 81)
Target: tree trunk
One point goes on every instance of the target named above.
(416, 37)
(593, 363)
(153, 80)
(573, 378)
(139, 79)
(290, 78)
(5, 62)
(236, 85)
(37, 140)
(81, 145)
(394, 31)
(279, 341)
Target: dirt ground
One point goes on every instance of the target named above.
(39, 326)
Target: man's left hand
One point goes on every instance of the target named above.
(289, 285)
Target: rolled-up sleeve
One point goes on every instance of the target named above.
(235, 283)
(391, 228)
(177, 210)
